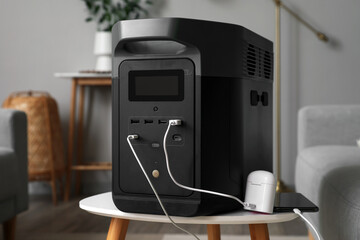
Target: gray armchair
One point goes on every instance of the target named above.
(328, 168)
(13, 168)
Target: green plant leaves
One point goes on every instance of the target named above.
(88, 4)
(106, 13)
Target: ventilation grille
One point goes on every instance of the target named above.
(258, 62)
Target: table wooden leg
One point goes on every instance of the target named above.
(311, 237)
(117, 229)
(259, 231)
(9, 229)
(61, 186)
(213, 232)
(53, 189)
(52, 155)
(70, 140)
(79, 158)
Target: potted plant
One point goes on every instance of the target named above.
(106, 13)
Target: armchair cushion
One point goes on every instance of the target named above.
(13, 163)
(8, 176)
(328, 125)
(330, 177)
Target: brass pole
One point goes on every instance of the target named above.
(278, 93)
(280, 186)
(320, 35)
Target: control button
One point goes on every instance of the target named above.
(265, 98)
(155, 145)
(155, 173)
(254, 98)
(177, 138)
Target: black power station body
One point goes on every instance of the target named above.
(215, 77)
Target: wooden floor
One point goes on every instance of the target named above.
(43, 218)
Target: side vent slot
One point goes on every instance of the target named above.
(267, 63)
(257, 62)
(251, 60)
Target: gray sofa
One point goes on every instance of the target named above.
(328, 168)
(13, 168)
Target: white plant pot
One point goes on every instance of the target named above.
(102, 49)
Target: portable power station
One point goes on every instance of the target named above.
(217, 79)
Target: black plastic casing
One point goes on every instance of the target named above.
(226, 113)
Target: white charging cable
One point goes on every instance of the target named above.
(132, 137)
(252, 206)
(177, 122)
(298, 212)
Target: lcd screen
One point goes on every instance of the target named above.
(156, 85)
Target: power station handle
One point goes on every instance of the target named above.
(152, 30)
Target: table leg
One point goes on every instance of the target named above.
(52, 154)
(70, 140)
(79, 157)
(311, 237)
(61, 186)
(259, 231)
(213, 232)
(117, 229)
(9, 229)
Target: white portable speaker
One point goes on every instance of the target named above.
(260, 191)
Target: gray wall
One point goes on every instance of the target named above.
(40, 37)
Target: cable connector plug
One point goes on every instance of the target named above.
(175, 122)
(133, 136)
(250, 205)
(297, 211)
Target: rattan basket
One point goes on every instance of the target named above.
(45, 146)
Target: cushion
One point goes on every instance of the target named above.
(8, 174)
(330, 177)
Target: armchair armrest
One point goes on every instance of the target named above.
(328, 125)
(13, 135)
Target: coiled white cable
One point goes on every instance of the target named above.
(298, 212)
(178, 122)
(153, 188)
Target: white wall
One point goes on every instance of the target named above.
(40, 37)
(314, 72)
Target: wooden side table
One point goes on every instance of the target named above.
(102, 204)
(80, 80)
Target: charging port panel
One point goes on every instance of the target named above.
(149, 146)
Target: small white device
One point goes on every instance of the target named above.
(260, 191)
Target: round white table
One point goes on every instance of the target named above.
(102, 204)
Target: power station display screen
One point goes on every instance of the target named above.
(156, 85)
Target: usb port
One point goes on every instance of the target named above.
(132, 121)
(146, 121)
(162, 121)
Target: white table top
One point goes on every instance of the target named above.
(102, 204)
(82, 75)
